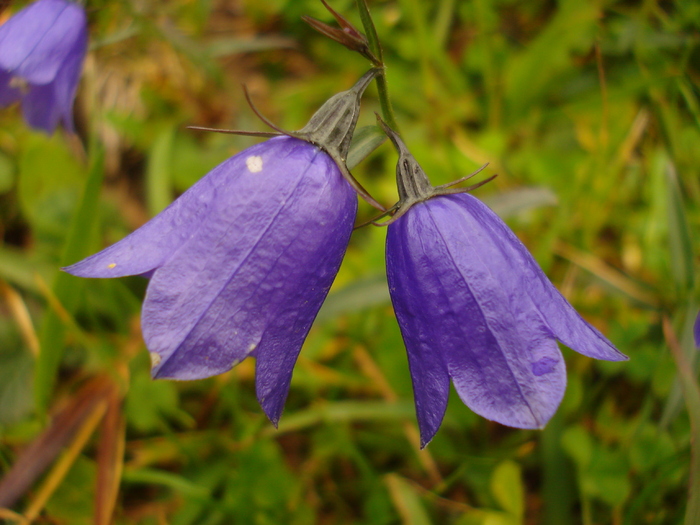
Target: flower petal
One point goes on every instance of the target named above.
(44, 105)
(526, 282)
(305, 271)
(504, 363)
(412, 286)
(696, 331)
(267, 253)
(149, 247)
(37, 40)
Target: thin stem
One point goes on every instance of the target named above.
(691, 392)
(376, 48)
(370, 30)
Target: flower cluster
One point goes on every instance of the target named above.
(42, 49)
(240, 264)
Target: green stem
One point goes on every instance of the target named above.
(691, 392)
(376, 48)
(558, 483)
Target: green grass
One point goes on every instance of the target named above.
(594, 104)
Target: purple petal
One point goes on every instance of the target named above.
(503, 361)
(253, 276)
(44, 105)
(431, 382)
(304, 271)
(526, 282)
(696, 331)
(149, 247)
(37, 41)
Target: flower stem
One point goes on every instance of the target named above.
(376, 48)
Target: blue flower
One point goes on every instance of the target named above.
(240, 264)
(42, 48)
(475, 308)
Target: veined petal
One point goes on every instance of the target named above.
(45, 104)
(305, 270)
(253, 277)
(43, 47)
(526, 282)
(504, 363)
(37, 40)
(412, 286)
(149, 247)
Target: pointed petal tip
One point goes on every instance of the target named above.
(272, 410)
(426, 434)
(273, 418)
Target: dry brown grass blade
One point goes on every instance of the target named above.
(20, 313)
(110, 461)
(66, 460)
(606, 273)
(66, 422)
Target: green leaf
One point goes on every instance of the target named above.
(407, 501)
(67, 288)
(150, 403)
(73, 501)
(364, 141)
(158, 175)
(578, 445)
(679, 238)
(7, 173)
(507, 488)
(359, 295)
(513, 202)
(50, 179)
(607, 477)
(167, 479)
(16, 367)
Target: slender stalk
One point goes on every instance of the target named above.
(370, 30)
(376, 48)
(691, 392)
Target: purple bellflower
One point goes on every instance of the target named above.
(42, 48)
(474, 307)
(241, 262)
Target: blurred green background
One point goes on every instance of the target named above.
(589, 111)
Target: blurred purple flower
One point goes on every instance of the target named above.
(42, 48)
(241, 262)
(474, 307)
(696, 331)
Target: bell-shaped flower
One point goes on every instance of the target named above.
(475, 308)
(42, 48)
(241, 262)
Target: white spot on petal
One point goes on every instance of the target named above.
(155, 359)
(252, 347)
(254, 163)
